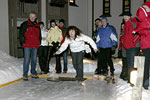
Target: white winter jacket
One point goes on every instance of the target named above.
(78, 44)
(44, 34)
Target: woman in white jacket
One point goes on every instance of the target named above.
(76, 40)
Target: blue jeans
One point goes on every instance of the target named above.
(65, 54)
(29, 53)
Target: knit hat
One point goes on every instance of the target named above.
(104, 18)
(147, 3)
(127, 14)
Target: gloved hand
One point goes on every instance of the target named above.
(55, 44)
(113, 49)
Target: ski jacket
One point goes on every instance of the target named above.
(30, 34)
(106, 37)
(130, 40)
(78, 44)
(54, 35)
(120, 40)
(143, 27)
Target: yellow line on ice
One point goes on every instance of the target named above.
(65, 75)
(9, 83)
(44, 76)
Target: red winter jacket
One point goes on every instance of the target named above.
(129, 40)
(63, 29)
(32, 35)
(143, 27)
(120, 41)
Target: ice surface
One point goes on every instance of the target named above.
(11, 69)
(46, 90)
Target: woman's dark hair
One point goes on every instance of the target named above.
(97, 19)
(41, 23)
(52, 21)
(62, 20)
(77, 31)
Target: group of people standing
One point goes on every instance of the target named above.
(37, 40)
(135, 36)
(34, 39)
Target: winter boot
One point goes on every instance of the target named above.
(25, 78)
(35, 76)
(112, 73)
(105, 72)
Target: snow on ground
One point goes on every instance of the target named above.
(124, 90)
(11, 69)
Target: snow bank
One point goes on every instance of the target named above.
(10, 68)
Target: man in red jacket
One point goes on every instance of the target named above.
(130, 41)
(30, 38)
(143, 14)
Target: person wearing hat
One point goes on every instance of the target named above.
(106, 40)
(130, 41)
(143, 14)
(65, 53)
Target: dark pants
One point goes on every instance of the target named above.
(105, 56)
(131, 52)
(65, 55)
(99, 68)
(77, 59)
(146, 53)
(51, 52)
(43, 56)
(29, 53)
(124, 73)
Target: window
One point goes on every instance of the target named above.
(73, 3)
(29, 1)
(146, 0)
(126, 6)
(106, 8)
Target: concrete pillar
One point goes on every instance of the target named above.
(43, 11)
(137, 89)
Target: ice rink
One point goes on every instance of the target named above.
(41, 89)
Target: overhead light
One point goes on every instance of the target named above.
(73, 3)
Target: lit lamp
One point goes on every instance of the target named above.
(73, 3)
(133, 76)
